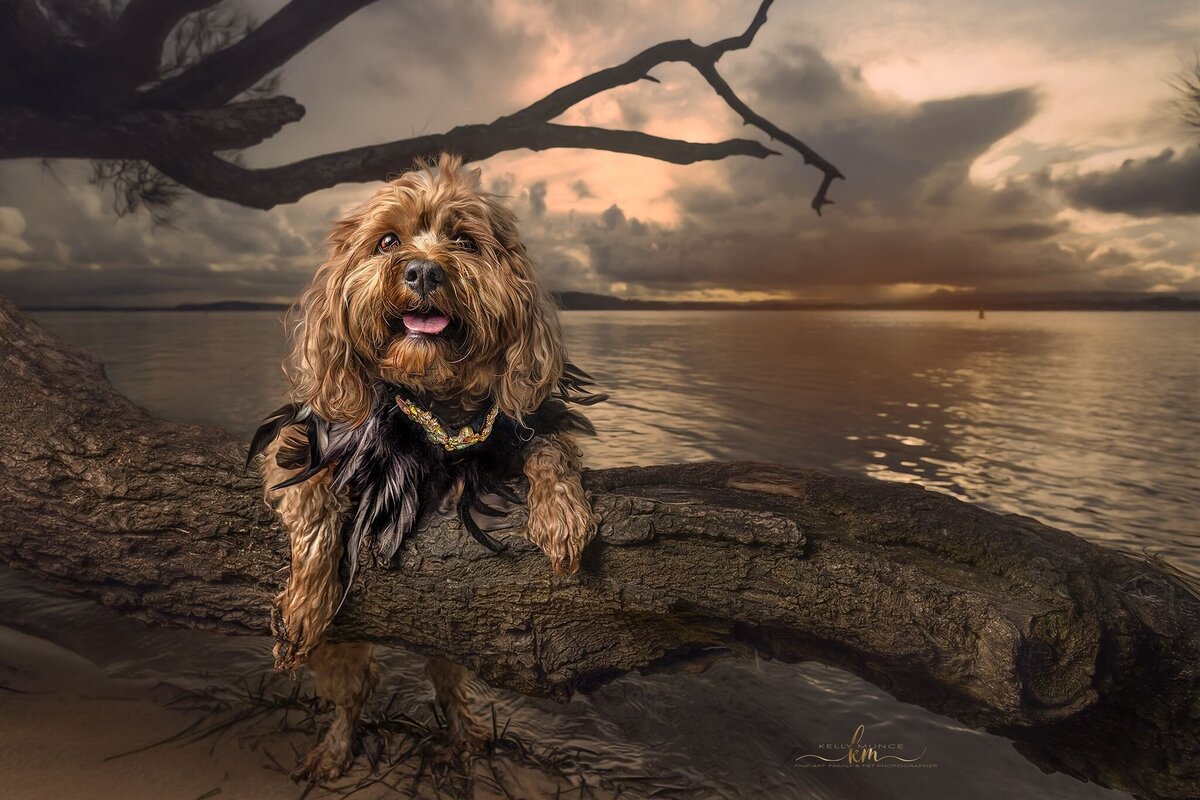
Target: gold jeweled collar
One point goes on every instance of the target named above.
(437, 434)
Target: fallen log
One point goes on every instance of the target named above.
(1086, 658)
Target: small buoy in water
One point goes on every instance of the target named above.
(981, 313)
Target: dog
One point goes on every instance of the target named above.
(427, 373)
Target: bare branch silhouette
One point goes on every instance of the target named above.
(1187, 89)
(169, 85)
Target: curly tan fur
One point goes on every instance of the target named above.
(455, 688)
(505, 346)
(312, 513)
(346, 675)
(512, 349)
(560, 512)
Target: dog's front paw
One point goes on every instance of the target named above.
(562, 525)
(325, 762)
(290, 648)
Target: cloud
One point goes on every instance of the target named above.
(537, 198)
(1022, 232)
(613, 217)
(79, 253)
(909, 214)
(1146, 187)
(12, 226)
(955, 180)
(802, 74)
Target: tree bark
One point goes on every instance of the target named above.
(224, 75)
(1086, 658)
(266, 187)
(59, 99)
(28, 133)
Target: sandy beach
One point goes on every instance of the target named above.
(64, 725)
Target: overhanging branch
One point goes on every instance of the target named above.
(131, 54)
(531, 128)
(266, 187)
(224, 75)
(143, 135)
(198, 96)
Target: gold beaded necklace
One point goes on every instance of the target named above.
(437, 434)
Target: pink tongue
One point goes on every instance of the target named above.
(426, 323)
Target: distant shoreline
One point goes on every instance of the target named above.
(583, 301)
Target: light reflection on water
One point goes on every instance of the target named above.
(1087, 421)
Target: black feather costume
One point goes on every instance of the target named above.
(395, 472)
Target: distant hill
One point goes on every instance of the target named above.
(938, 301)
(230, 305)
(224, 305)
(1054, 301)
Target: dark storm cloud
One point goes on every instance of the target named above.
(79, 253)
(502, 185)
(537, 198)
(668, 258)
(1163, 184)
(613, 217)
(801, 73)
(1022, 232)
(909, 213)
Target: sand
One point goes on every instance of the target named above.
(62, 721)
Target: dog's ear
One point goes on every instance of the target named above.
(324, 368)
(533, 361)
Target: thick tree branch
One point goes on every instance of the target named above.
(151, 135)
(726, 93)
(1084, 657)
(637, 68)
(32, 55)
(191, 161)
(266, 187)
(131, 54)
(528, 128)
(704, 59)
(224, 75)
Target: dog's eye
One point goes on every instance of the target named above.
(465, 242)
(389, 241)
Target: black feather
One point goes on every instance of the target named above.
(504, 491)
(270, 429)
(464, 514)
(589, 400)
(574, 371)
(488, 511)
(394, 474)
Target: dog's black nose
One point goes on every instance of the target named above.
(423, 276)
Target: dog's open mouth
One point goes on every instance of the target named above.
(421, 324)
(425, 324)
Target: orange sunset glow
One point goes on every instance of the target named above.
(1031, 148)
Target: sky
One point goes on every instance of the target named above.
(1017, 147)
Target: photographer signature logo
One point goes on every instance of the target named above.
(858, 753)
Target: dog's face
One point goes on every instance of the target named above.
(427, 286)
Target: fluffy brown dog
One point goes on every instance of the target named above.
(427, 370)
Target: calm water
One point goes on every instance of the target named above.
(1087, 421)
